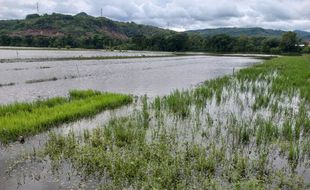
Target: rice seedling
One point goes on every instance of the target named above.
(30, 118)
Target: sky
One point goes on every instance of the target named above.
(178, 15)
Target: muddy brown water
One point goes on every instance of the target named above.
(151, 76)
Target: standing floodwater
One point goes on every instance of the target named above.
(26, 81)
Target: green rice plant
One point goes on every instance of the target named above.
(157, 106)
(249, 184)
(210, 88)
(244, 134)
(262, 163)
(123, 132)
(146, 115)
(206, 164)
(261, 101)
(14, 108)
(266, 133)
(81, 94)
(240, 165)
(293, 155)
(178, 103)
(287, 131)
(306, 147)
(28, 119)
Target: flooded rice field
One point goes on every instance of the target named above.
(26, 81)
(248, 130)
(10, 53)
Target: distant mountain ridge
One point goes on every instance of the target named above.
(83, 24)
(253, 32)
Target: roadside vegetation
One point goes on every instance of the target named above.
(24, 119)
(250, 130)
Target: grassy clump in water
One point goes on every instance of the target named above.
(30, 118)
(121, 153)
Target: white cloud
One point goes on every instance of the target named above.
(178, 14)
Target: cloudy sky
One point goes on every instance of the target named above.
(177, 14)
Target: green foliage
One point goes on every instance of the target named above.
(306, 49)
(270, 45)
(289, 42)
(222, 43)
(32, 16)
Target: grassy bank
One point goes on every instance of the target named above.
(30, 118)
(247, 131)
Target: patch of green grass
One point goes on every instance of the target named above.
(30, 118)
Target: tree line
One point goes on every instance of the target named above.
(222, 43)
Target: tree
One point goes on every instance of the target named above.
(196, 42)
(5, 40)
(28, 40)
(241, 44)
(222, 43)
(289, 42)
(140, 42)
(69, 41)
(41, 41)
(158, 42)
(32, 16)
(177, 42)
(270, 44)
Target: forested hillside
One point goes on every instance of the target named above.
(80, 30)
(85, 31)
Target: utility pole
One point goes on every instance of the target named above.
(101, 13)
(38, 7)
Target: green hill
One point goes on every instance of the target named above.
(85, 31)
(252, 32)
(77, 25)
